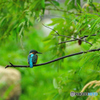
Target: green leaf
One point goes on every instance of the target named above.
(55, 3)
(56, 96)
(43, 3)
(55, 83)
(71, 4)
(78, 2)
(93, 26)
(66, 2)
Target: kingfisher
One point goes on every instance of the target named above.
(32, 58)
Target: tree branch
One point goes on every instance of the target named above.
(81, 38)
(75, 40)
(50, 28)
(93, 50)
(87, 42)
(62, 35)
(88, 36)
(68, 41)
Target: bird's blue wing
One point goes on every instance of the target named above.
(34, 59)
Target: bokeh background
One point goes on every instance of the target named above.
(22, 29)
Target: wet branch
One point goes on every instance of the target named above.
(27, 66)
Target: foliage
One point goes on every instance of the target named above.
(54, 81)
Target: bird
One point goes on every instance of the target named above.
(32, 58)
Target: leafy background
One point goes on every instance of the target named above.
(21, 30)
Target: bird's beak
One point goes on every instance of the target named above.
(39, 52)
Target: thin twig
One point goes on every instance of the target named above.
(53, 4)
(81, 38)
(75, 40)
(93, 50)
(88, 36)
(87, 42)
(62, 35)
(50, 28)
(68, 41)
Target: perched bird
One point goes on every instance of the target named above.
(32, 58)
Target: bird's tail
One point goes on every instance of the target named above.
(31, 64)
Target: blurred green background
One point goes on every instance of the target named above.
(22, 30)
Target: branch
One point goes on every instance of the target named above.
(87, 42)
(63, 36)
(54, 5)
(88, 36)
(75, 40)
(50, 28)
(68, 41)
(93, 50)
(79, 39)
